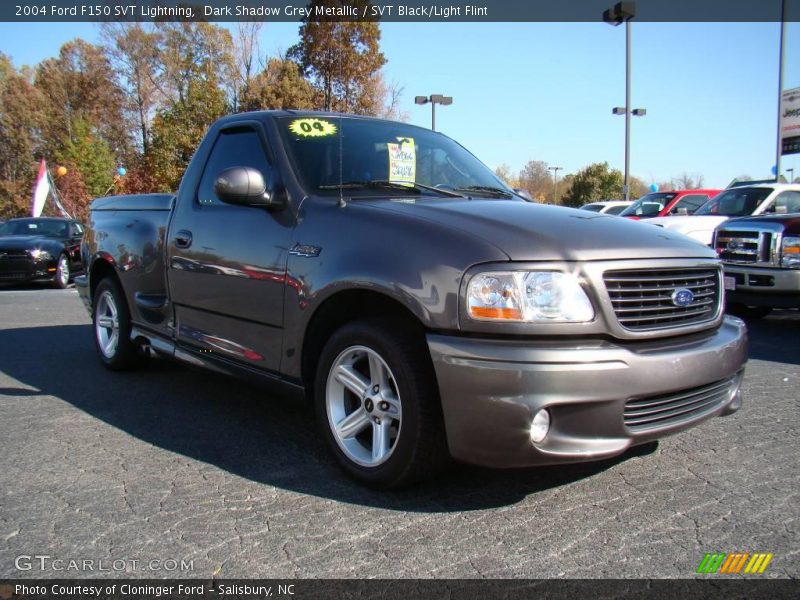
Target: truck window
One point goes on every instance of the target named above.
(689, 203)
(786, 202)
(240, 147)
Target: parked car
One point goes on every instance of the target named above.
(41, 249)
(761, 256)
(765, 198)
(424, 308)
(607, 207)
(668, 203)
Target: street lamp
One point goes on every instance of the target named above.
(625, 11)
(555, 171)
(434, 99)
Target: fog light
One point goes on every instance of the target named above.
(540, 426)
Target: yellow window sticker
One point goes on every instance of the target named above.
(312, 127)
(403, 161)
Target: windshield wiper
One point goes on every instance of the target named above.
(487, 189)
(382, 184)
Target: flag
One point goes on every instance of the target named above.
(40, 190)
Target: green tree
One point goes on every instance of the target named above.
(342, 61)
(93, 159)
(279, 85)
(592, 183)
(80, 86)
(177, 132)
(20, 119)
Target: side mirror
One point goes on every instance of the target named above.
(245, 186)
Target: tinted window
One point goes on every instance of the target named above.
(688, 203)
(736, 202)
(615, 210)
(234, 148)
(44, 227)
(593, 207)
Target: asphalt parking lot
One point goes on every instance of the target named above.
(170, 464)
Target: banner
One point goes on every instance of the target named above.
(40, 190)
(790, 121)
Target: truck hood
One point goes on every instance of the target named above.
(536, 232)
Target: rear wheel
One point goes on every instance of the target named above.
(377, 404)
(61, 278)
(112, 326)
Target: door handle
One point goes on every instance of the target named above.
(183, 239)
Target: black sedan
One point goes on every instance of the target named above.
(41, 249)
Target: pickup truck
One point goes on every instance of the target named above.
(426, 310)
(740, 201)
(761, 259)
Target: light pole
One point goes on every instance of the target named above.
(434, 99)
(555, 171)
(625, 11)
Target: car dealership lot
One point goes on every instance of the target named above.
(168, 467)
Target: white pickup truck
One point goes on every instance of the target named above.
(764, 198)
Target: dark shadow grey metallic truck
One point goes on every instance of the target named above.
(428, 310)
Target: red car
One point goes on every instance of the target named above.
(665, 204)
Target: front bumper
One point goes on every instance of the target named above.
(21, 269)
(491, 389)
(763, 286)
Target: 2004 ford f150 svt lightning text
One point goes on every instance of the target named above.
(427, 310)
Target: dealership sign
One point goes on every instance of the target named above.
(790, 121)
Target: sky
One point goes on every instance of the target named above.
(544, 91)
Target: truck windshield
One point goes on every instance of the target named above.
(736, 202)
(649, 205)
(369, 157)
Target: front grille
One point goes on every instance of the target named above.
(738, 246)
(643, 298)
(9, 254)
(645, 414)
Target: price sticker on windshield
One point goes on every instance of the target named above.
(403, 161)
(312, 127)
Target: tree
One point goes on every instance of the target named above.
(80, 86)
(133, 52)
(341, 60)
(178, 130)
(536, 180)
(279, 85)
(592, 183)
(20, 119)
(504, 173)
(247, 59)
(89, 155)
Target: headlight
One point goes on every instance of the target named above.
(39, 254)
(790, 252)
(528, 296)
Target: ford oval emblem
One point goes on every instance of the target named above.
(733, 245)
(682, 297)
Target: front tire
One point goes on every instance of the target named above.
(112, 326)
(377, 404)
(62, 276)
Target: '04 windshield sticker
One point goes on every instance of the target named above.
(403, 161)
(312, 127)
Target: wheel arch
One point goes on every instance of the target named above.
(343, 307)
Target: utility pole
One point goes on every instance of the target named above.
(555, 171)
